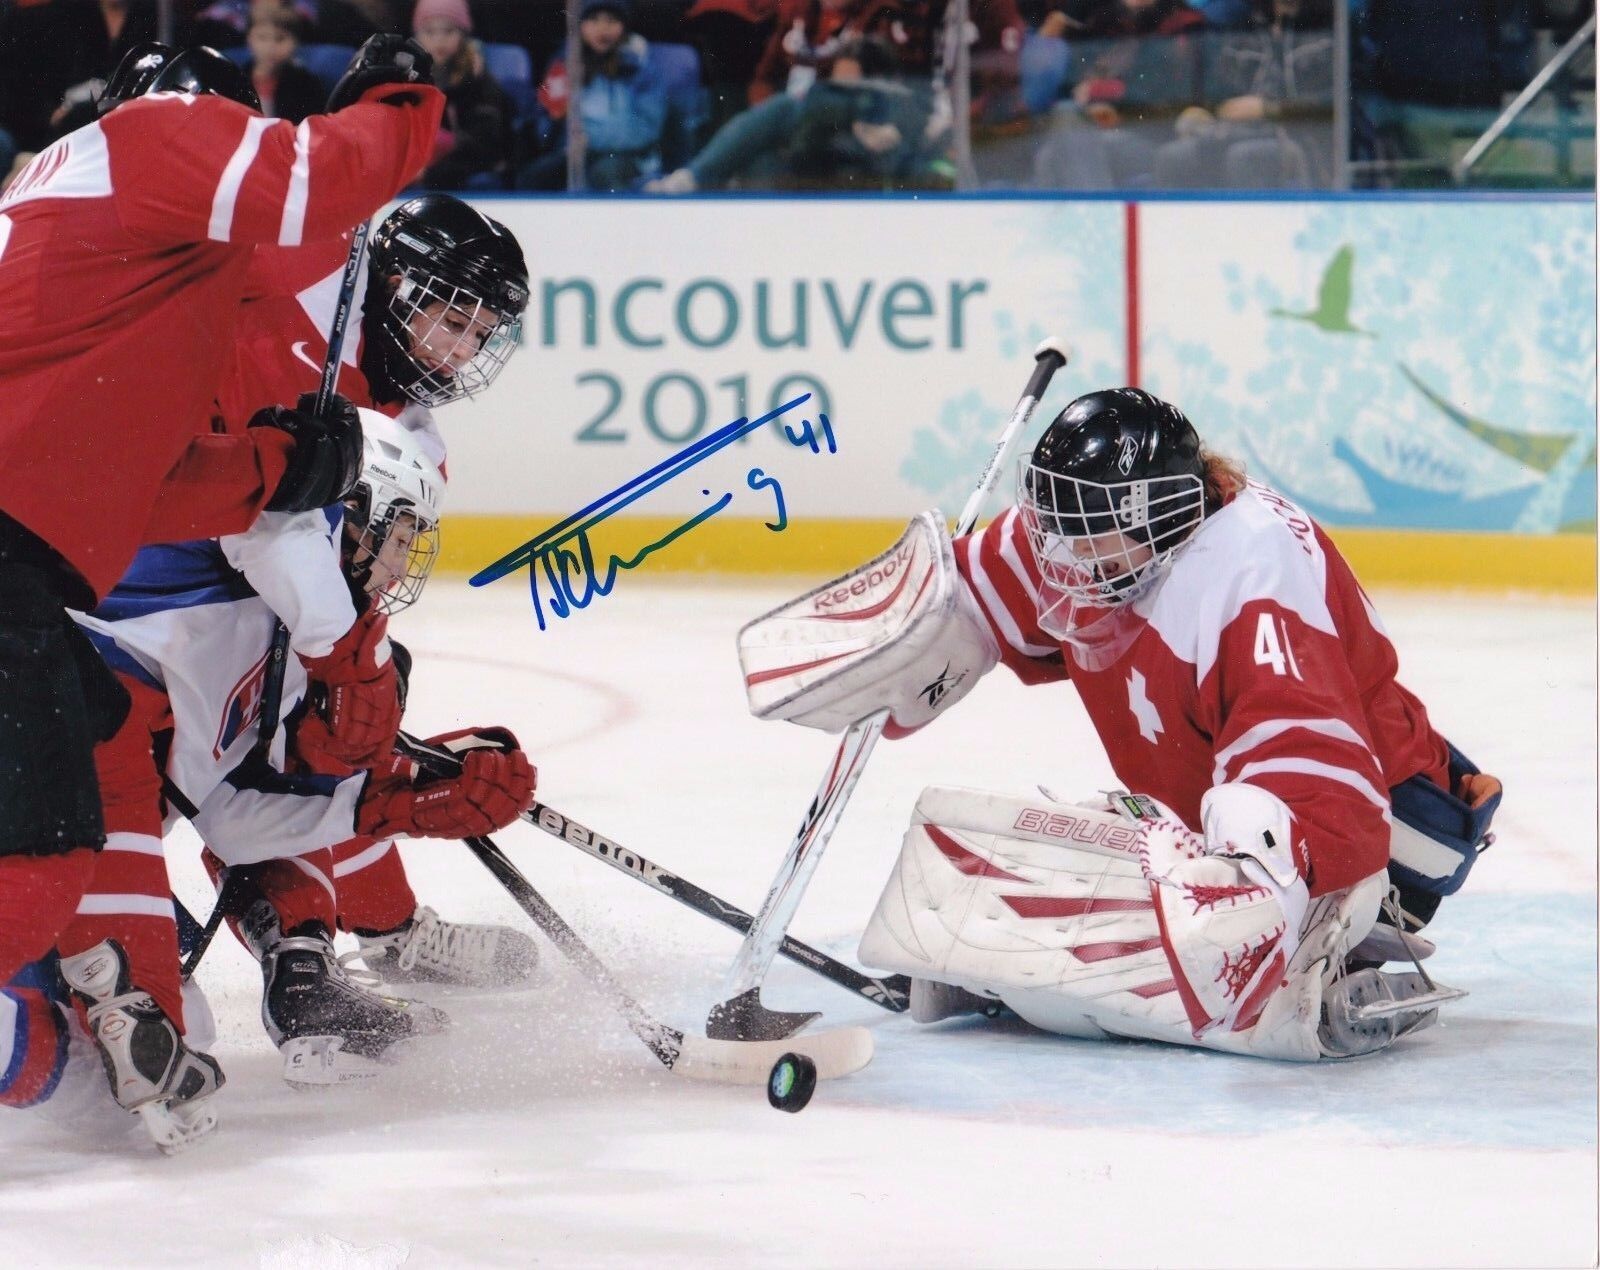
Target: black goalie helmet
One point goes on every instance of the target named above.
(446, 288)
(157, 68)
(1113, 488)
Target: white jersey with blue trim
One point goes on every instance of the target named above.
(195, 619)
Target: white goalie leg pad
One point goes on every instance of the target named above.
(1039, 903)
(900, 632)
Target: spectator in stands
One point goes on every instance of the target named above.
(1263, 80)
(55, 56)
(730, 36)
(861, 125)
(223, 23)
(474, 145)
(1082, 27)
(996, 60)
(622, 105)
(808, 34)
(1141, 65)
(287, 90)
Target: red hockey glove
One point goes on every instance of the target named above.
(494, 787)
(356, 711)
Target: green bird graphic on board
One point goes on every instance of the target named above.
(1332, 313)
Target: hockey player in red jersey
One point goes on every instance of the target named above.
(1243, 688)
(123, 249)
(447, 286)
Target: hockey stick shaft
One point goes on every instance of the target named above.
(278, 650)
(761, 944)
(891, 992)
(277, 657)
(665, 1042)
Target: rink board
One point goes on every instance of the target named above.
(1410, 370)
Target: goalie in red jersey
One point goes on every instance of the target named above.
(1294, 817)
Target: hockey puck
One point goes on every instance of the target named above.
(791, 1082)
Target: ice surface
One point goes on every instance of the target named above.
(539, 1132)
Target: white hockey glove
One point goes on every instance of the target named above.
(899, 633)
(1230, 904)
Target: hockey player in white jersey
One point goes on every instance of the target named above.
(1243, 688)
(192, 638)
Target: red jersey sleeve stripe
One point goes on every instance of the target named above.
(292, 229)
(1327, 771)
(226, 197)
(1261, 733)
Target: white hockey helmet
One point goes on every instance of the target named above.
(392, 515)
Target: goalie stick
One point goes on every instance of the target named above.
(741, 1014)
(838, 1052)
(892, 992)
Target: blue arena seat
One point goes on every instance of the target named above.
(326, 61)
(510, 66)
(678, 68)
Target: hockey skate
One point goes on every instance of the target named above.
(329, 1030)
(428, 949)
(151, 1071)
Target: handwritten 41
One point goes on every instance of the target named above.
(566, 558)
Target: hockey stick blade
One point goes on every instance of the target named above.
(836, 1052)
(744, 1018)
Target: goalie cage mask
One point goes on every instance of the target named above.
(1113, 489)
(392, 517)
(448, 287)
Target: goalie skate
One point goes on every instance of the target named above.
(1370, 1010)
(429, 949)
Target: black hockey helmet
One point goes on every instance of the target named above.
(158, 68)
(1114, 487)
(446, 289)
(134, 74)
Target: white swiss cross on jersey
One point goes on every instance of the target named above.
(1256, 658)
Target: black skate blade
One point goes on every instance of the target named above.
(744, 1018)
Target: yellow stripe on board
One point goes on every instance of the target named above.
(822, 548)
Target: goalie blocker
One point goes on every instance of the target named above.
(899, 633)
(1095, 924)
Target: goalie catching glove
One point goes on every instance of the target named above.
(355, 692)
(494, 786)
(901, 633)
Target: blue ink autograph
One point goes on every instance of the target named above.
(563, 551)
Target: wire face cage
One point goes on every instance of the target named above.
(1100, 546)
(456, 342)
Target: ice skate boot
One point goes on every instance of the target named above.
(428, 949)
(328, 1029)
(151, 1071)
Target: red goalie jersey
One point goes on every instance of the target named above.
(1258, 658)
(123, 252)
